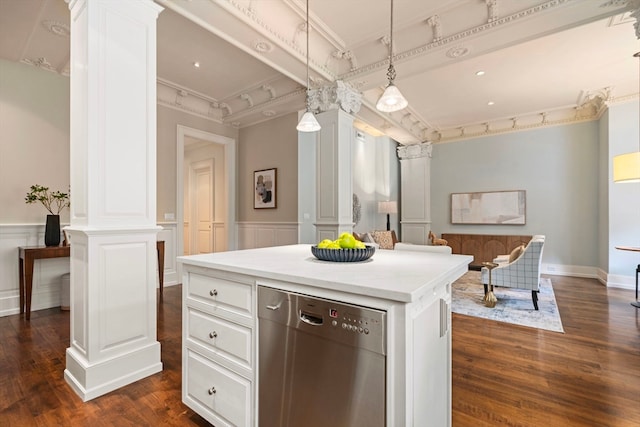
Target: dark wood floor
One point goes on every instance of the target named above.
(502, 374)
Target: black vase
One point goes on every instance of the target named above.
(52, 231)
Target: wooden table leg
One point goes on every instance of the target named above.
(21, 275)
(160, 248)
(28, 284)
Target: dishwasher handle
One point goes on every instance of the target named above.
(311, 319)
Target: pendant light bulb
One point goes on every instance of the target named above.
(308, 122)
(391, 99)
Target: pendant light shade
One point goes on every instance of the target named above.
(391, 99)
(626, 167)
(308, 122)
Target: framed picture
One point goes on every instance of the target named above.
(493, 207)
(264, 184)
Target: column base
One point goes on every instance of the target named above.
(91, 380)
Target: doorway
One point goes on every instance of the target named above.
(222, 183)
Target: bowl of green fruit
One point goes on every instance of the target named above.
(345, 248)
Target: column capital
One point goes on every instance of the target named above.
(336, 95)
(415, 151)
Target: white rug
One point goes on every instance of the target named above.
(514, 305)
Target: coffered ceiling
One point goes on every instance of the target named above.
(544, 62)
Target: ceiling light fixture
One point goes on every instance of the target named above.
(626, 167)
(391, 99)
(196, 64)
(480, 73)
(308, 122)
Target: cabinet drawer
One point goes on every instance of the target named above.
(221, 293)
(226, 395)
(226, 338)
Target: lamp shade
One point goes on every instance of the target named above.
(308, 123)
(391, 100)
(389, 207)
(626, 167)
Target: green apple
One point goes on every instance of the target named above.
(347, 241)
(323, 244)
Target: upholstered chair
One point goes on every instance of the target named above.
(519, 270)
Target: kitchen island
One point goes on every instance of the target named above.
(220, 325)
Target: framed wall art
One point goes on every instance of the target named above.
(493, 207)
(264, 184)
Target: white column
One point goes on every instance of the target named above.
(334, 188)
(415, 172)
(113, 186)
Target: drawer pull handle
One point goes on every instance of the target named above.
(213, 334)
(212, 391)
(213, 293)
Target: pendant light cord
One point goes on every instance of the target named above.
(391, 72)
(308, 103)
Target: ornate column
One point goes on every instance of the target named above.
(113, 182)
(332, 205)
(415, 172)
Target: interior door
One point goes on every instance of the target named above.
(203, 209)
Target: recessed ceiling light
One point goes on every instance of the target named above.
(490, 103)
(480, 73)
(196, 64)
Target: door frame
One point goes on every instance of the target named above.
(229, 185)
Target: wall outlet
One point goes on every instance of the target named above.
(169, 217)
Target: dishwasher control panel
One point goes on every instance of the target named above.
(348, 323)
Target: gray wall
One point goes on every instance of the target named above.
(271, 144)
(556, 166)
(34, 148)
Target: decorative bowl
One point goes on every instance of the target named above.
(343, 255)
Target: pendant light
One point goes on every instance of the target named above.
(391, 100)
(626, 167)
(308, 122)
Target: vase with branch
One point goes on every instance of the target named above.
(54, 202)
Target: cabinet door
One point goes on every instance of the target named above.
(432, 364)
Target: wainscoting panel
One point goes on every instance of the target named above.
(47, 273)
(415, 232)
(264, 234)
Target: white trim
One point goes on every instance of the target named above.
(230, 183)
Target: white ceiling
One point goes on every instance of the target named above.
(543, 60)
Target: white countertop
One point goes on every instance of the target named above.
(395, 275)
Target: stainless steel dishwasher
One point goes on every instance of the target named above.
(321, 362)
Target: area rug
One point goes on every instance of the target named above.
(513, 306)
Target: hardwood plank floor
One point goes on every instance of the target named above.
(502, 374)
(516, 376)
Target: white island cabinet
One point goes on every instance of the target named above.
(220, 326)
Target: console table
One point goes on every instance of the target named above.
(636, 303)
(483, 247)
(28, 254)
